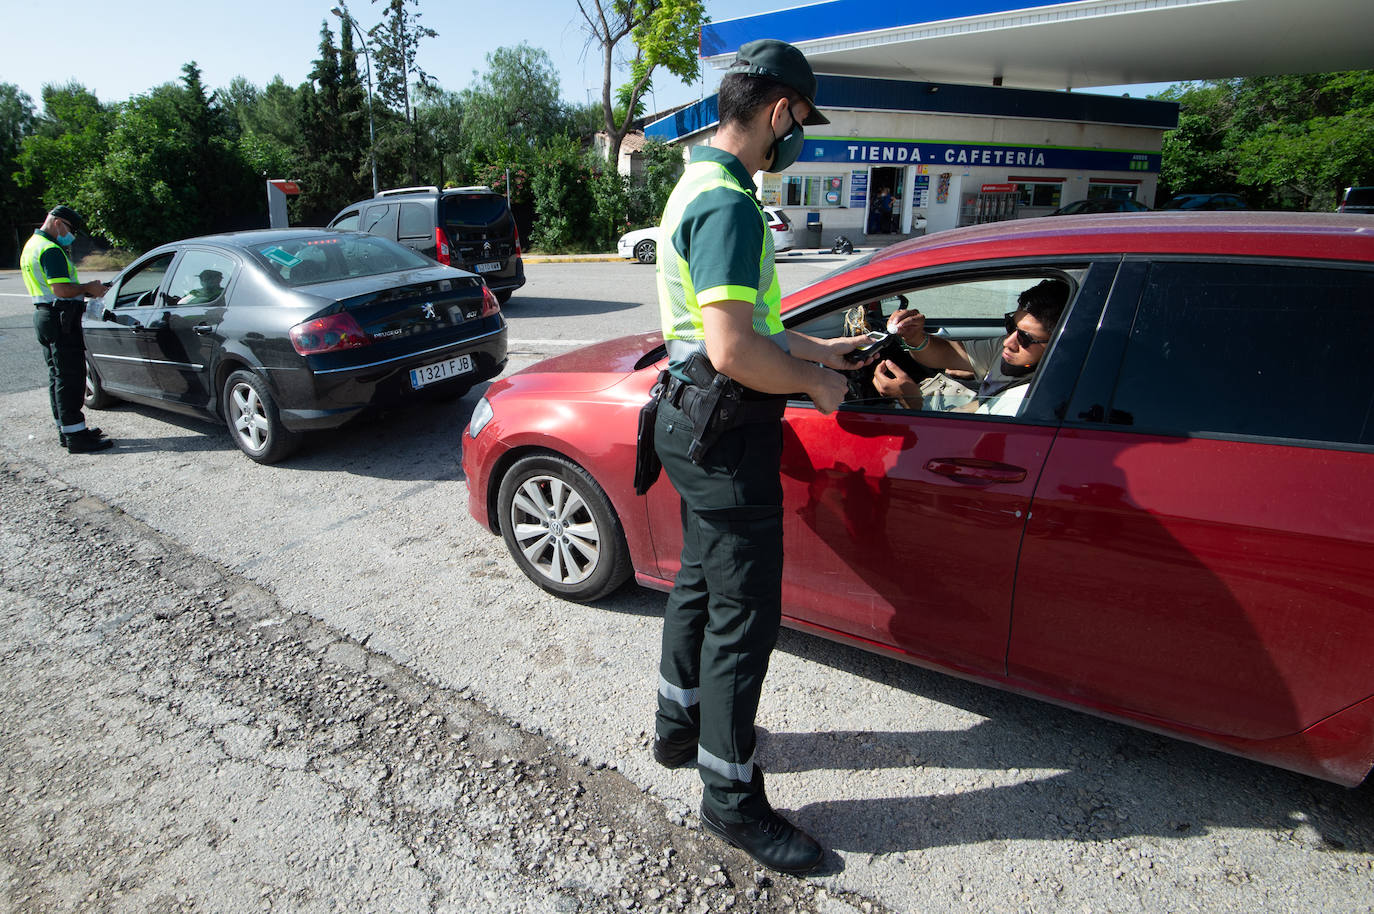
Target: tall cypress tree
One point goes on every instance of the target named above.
(354, 114)
(327, 160)
(395, 41)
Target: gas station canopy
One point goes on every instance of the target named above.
(1066, 45)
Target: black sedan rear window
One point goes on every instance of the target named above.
(309, 260)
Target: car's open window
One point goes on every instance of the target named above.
(139, 288)
(966, 316)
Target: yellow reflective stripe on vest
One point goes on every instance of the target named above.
(679, 300)
(31, 266)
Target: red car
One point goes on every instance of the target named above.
(1175, 530)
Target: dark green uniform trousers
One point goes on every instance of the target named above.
(722, 618)
(58, 328)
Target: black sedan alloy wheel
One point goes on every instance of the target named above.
(253, 419)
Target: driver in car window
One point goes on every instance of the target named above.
(211, 288)
(1005, 366)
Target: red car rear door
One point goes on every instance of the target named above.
(1201, 544)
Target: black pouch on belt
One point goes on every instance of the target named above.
(647, 464)
(69, 317)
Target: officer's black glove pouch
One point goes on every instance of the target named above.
(647, 464)
(69, 319)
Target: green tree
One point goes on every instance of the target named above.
(513, 108)
(1280, 141)
(663, 164)
(267, 122)
(611, 203)
(19, 206)
(68, 138)
(665, 33)
(562, 186)
(333, 166)
(355, 106)
(439, 122)
(272, 112)
(173, 169)
(395, 41)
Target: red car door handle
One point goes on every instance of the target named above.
(974, 469)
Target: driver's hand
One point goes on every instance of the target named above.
(910, 324)
(893, 383)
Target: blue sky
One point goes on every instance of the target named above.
(120, 48)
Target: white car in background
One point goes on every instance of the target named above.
(642, 244)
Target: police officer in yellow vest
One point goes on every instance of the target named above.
(718, 434)
(58, 301)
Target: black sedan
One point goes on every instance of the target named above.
(283, 331)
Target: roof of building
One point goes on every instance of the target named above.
(1071, 45)
(858, 94)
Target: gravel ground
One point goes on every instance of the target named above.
(174, 740)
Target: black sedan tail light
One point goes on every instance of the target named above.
(328, 334)
(490, 305)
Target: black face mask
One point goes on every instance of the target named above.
(786, 149)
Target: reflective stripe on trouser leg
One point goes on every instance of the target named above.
(722, 619)
(685, 698)
(735, 771)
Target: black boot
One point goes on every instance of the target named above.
(87, 441)
(771, 840)
(62, 436)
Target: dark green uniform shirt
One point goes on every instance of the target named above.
(718, 248)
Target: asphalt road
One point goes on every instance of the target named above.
(935, 794)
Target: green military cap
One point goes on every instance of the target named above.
(780, 62)
(71, 217)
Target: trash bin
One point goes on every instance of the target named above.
(813, 231)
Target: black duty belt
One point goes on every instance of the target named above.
(747, 410)
(712, 402)
(50, 305)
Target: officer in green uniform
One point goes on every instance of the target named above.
(58, 300)
(718, 434)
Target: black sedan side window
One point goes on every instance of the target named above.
(1259, 350)
(200, 278)
(139, 288)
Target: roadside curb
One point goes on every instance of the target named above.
(572, 258)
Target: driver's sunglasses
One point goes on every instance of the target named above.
(1023, 339)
